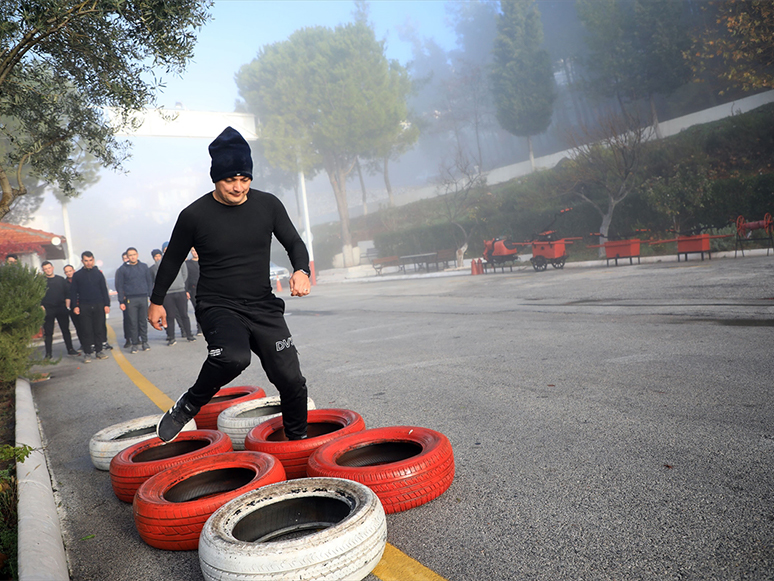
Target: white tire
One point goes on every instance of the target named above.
(309, 529)
(108, 442)
(236, 421)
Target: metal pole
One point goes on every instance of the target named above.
(307, 226)
(68, 235)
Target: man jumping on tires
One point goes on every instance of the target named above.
(231, 229)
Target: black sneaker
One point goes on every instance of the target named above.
(107, 346)
(145, 346)
(134, 349)
(127, 344)
(101, 355)
(73, 352)
(171, 342)
(172, 422)
(191, 339)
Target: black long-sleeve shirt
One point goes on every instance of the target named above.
(89, 287)
(234, 247)
(56, 293)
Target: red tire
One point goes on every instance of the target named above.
(207, 418)
(134, 465)
(171, 507)
(405, 466)
(323, 426)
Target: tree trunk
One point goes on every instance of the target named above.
(338, 178)
(461, 255)
(604, 228)
(8, 194)
(362, 186)
(531, 153)
(387, 183)
(654, 115)
(463, 248)
(571, 90)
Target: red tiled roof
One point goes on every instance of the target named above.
(20, 240)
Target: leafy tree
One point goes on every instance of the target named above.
(395, 144)
(325, 97)
(460, 181)
(635, 48)
(741, 40)
(522, 77)
(62, 61)
(605, 164)
(680, 192)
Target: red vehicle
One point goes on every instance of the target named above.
(501, 249)
(547, 248)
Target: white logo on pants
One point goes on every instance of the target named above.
(284, 344)
(215, 352)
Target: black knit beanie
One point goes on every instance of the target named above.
(230, 155)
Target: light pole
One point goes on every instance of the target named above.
(307, 226)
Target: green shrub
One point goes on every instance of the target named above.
(9, 500)
(21, 290)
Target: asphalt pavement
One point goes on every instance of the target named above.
(607, 423)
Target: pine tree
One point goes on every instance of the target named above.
(522, 77)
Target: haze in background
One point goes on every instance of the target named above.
(164, 175)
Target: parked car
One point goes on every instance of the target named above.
(277, 272)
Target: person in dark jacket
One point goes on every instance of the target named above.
(231, 228)
(134, 285)
(190, 284)
(55, 304)
(69, 271)
(127, 336)
(89, 295)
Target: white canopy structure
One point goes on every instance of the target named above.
(184, 123)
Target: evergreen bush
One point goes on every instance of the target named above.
(21, 290)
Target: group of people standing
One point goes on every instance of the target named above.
(134, 285)
(82, 296)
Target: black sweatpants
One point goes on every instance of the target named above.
(136, 318)
(231, 334)
(92, 317)
(176, 305)
(61, 316)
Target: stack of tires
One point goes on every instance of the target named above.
(258, 506)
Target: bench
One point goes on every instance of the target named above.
(423, 260)
(381, 263)
(369, 255)
(445, 256)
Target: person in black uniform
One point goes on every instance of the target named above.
(55, 304)
(90, 300)
(69, 271)
(190, 284)
(231, 229)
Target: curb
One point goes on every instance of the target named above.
(524, 265)
(41, 549)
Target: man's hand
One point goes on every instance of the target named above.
(77, 310)
(299, 284)
(157, 316)
(122, 306)
(107, 310)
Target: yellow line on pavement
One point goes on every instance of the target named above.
(398, 566)
(394, 565)
(154, 393)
